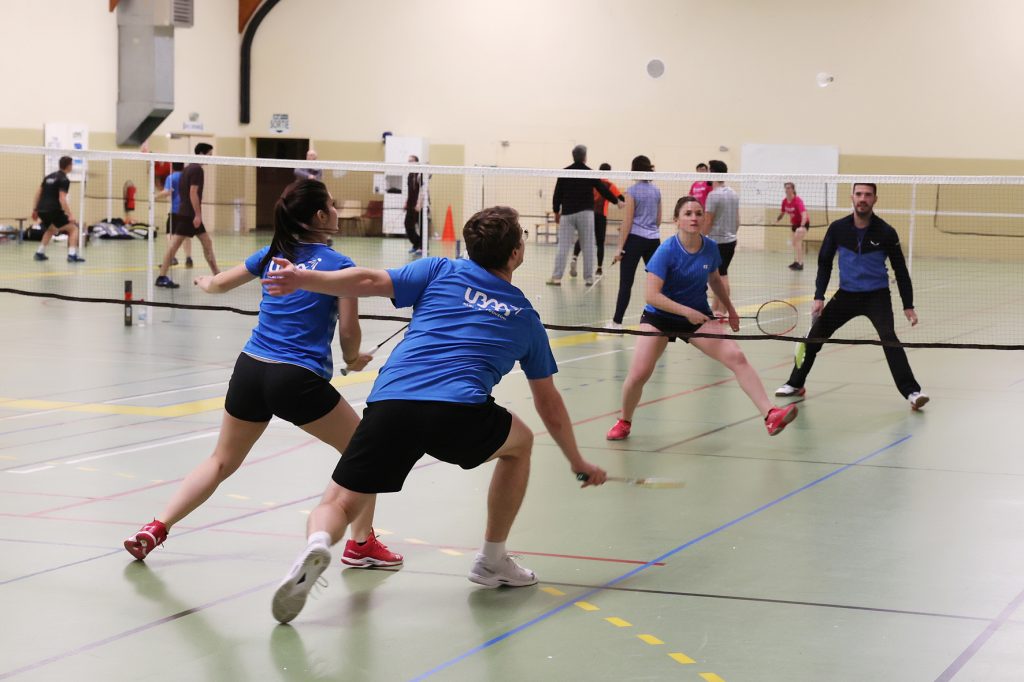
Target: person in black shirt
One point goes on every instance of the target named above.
(863, 242)
(51, 209)
(188, 221)
(573, 204)
(414, 208)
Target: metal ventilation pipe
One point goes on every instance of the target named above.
(145, 64)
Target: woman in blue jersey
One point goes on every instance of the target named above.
(639, 235)
(285, 368)
(678, 276)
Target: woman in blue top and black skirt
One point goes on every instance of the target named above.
(678, 276)
(285, 369)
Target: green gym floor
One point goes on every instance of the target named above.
(866, 542)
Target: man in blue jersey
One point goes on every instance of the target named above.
(171, 189)
(863, 242)
(469, 327)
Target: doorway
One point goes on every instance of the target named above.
(270, 182)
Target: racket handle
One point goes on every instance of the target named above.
(583, 476)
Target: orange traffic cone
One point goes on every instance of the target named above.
(449, 227)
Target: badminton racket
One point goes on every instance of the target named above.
(344, 371)
(801, 347)
(649, 482)
(775, 318)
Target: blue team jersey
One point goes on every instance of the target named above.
(298, 328)
(172, 184)
(685, 274)
(469, 328)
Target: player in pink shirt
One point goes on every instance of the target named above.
(799, 222)
(700, 189)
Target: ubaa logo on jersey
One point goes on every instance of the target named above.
(480, 300)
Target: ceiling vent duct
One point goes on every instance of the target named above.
(145, 64)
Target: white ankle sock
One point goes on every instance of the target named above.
(493, 551)
(41, 249)
(72, 252)
(320, 537)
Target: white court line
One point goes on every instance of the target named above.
(169, 392)
(30, 471)
(150, 446)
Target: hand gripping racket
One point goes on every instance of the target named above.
(649, 482)
(344, 371)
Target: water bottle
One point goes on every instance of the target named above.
(142, 315)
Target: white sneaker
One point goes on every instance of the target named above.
(572, 268)
(507, 572)
(613, 325)
(917, 400)
(787, 391)
(304, 574)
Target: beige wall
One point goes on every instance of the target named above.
(913, 78)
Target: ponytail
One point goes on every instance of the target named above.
(293, 214)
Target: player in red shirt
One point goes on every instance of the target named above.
(799, 222)
(700, 189)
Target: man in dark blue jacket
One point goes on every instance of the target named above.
(863, 242)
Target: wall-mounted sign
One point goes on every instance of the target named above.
(279, 123)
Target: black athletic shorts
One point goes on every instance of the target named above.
(394, 434)
(58, 219)
(182, 225)
(260, 390)
(670, 326)
(794, 228)
(727, 251)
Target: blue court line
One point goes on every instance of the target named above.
(979, 641)
(558, 609)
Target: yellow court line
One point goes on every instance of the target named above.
(416, 541)
(681, 658)
(194, 407)
(618, 622)
(649, 639)
(587, 606)
(711, 677)
(553, 590)
(451, 552)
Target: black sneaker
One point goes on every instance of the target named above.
(174, 261)
(165, 282)
(75, 258)
(188, 262)
(40, 256)
(798, 266)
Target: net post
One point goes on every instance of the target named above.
(913, 217)
(81, 213)
(150, 235)
(110, 189)
(127, 303)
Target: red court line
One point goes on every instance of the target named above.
(36, 494)
(107, 498)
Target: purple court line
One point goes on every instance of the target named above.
(107, 498)
(104, 430)
(565, 605)
(195, 529)
(975, 646)
(742, 421)
(177, 535)
(133, 631)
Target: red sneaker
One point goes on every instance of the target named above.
(778, 417)
(370, 553)
(148, 538)
(620, 431)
